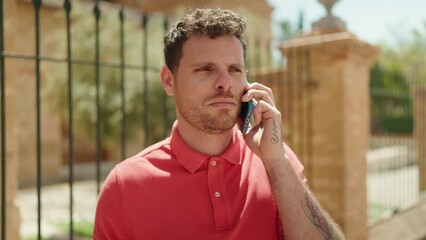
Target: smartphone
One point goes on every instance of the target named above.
(245, 114)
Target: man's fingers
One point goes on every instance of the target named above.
(258, 94)
(260, 87)
(263, 111)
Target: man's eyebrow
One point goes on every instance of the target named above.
(199, 64)
(202, 64)
(238, 65)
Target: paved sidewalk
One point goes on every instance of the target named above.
(55, 208)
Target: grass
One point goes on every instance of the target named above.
(82, 228)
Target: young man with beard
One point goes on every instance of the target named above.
(208, 180)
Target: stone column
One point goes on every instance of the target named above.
(420, 133)
(340, 65)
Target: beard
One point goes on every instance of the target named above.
(201, 118)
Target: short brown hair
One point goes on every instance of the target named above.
(203, 22)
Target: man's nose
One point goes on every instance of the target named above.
(223, 81)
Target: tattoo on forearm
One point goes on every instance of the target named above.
(317, 217)
(275, 135)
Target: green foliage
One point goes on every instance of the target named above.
(408, 52)
(83, 37)
(286, 30)
(391, 106)
(400, 69)
(82, 228)
(36, 238)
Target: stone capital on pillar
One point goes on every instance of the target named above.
(340, 66)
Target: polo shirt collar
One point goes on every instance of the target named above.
(192, 160)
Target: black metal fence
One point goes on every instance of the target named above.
(394, 162)
(3, 129)
(111, 77)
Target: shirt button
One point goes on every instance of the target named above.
(214, 163)
(217, 194)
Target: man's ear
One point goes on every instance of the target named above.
(167, 79)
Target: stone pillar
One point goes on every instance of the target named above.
(12, 211)
(420, 133)
(340, 65)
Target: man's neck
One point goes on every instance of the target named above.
(209, 144)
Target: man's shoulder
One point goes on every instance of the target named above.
(157, 150)
(145, 161)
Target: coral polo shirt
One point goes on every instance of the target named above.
(170, 191)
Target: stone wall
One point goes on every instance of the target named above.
(22, 74)
(11, 94)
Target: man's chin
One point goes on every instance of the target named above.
(218, 127)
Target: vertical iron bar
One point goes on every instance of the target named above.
(37, 5)
(3, 127)
(302, 101)
(398, 150)
(97, 13)
(298, 102)
(145, 80)
(247, 58)
(310, 85)
(289, 95)
(165, 106)
(415, 192)
(247, 62)
(67, 6)
(258, 59)
(123, 89)
(269, 60)
(421, 89)
(290, 98)
(279, 82)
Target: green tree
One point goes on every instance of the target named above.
(286, 29)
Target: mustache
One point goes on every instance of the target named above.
(221, 94)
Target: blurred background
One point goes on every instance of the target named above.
(80, 92)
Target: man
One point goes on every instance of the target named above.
(208, 180)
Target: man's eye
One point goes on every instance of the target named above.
(204, 69)
(234, 70)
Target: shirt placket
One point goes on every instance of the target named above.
(217, 194)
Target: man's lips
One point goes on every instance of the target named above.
(222, 103)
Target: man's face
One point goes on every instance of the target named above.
(209, 83)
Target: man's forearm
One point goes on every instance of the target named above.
(301, 215)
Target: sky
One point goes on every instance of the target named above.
(370, 20)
